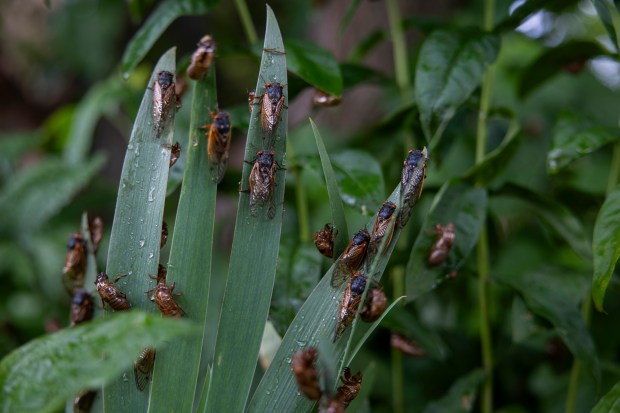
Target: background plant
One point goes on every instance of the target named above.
(517, 122)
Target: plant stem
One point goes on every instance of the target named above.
(483, 244)
(246, 21)
(300, 195)
(398, 398)
(400, 48)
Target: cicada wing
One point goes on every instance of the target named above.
(221, 167)
(143, 368)
(340, 273)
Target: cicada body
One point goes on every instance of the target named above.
(164, 297)
(164, 96)
(324, 240)
(175, 153)
(351, 259)
(164, 234)
(383, 227)
(81, 307)
(304, 369)
(350, 386)
(349, 303)
(263, 183)
(219, 134)
(411, 184)
(95, 226)
(441, 248)
(74, 270)
(272, 103)
(143, 367)
(111, 295)
(202, 58)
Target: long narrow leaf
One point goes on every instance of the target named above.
(176, 368)
(610, 402)
(335, 201)
(136, 230)
(254, 255)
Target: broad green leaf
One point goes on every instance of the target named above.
(461, 204)
(165, 13)
(36, 194)
(495, 162)
(189, 266)
(315, 65)
(359, 177)
(574, 136)
(254, 255)
(335, 197)
(528, 8)
(42, 374)
(449, 69)
(610, 402)
(552, 61)
(461, 397)
(606, 246)
(136, 229)
(554, 295)
(554, 214)
(313, 326)
(604, 13)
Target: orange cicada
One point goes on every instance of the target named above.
(441, 248)
(111, 295)
(202, 58)
(411, 184)
(164, 95)
(272, 102)
(75, 264)
(219, 133)
(143, 367)
(351, 259)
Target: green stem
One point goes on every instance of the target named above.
(398, 398)
(400, 48)
(246, 21)
(300, 195)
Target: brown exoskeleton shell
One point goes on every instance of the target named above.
(304, 369)
(175, 153)
(75, 264)
(95, 226)
(110, 294)
(374, 306)
(164, 297)
(350, 386)
(202, 58)
(441, 248)
(324, 240)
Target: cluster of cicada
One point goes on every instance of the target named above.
(305, 370)
(365, 246)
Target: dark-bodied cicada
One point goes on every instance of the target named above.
(164, 234)
(441, 248)
(263, 183)
(321, 98)
(109, 294)
(349, 303)
(175, 153)
(219, 134)
(351, 385)
(271, 103)
(164, 296)
(143, 367)
(324, 240)
(304, 369)
(375, 304)
(411, 184)
(75, 264)
(202, 58)
(383, 227)
(84, 401)
(164, 96)
(95, 227)
(81, 307)
(351, 259)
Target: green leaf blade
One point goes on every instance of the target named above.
(315, 65)
(610, 402)
(254, 255)
(606, 246)
(136, 230)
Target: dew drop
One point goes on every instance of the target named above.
(141, 243)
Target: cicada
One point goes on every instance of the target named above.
(95, 227)
(383, 227)
(351, 259)
(375, 304)
(84, 401)
(164, 234)
(350, 386)
(81, 307)
(251, 99)
(321, 98)
(441, 248)
(143, 367)
(304, 369)
(263, 183)
(411, 184)
(75, 264)
(109, 294)
(202, 58)
(164, 95)
(164, 297)
(324, 240)
(175, 153)
(272, 102)
(349, 303)
(219, 133)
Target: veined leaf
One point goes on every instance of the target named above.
(136, 229)
(315, 65)
(360, 178)
(41, 374)
(606, 246)
(254, 254)
(176, 368)
(461, 204)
